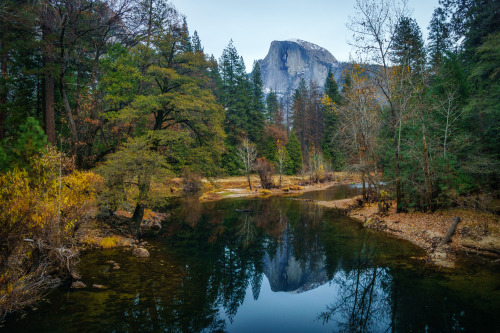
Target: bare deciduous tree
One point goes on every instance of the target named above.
(282, 157)
(374, 28)
(247, 154)
(359, 124)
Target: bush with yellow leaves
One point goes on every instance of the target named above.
(43, 205)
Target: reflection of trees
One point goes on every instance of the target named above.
(363, 302)
(248, 230)
(308, 247)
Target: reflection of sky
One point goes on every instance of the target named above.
(283, 312)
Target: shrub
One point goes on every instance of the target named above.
(109, 242)
(40, 207)
(191, 182)
(265, 170)
(384, 202)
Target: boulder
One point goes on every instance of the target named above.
(99, 286)
(128, 242)
(78, 285)
(104, 212)
(140, 252)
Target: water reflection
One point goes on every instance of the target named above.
(282, 265)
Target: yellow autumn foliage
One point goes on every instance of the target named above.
(109, 242)
(34, 200)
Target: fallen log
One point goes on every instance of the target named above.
(450, 231)
(482, 249)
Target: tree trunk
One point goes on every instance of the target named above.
(249, 183)
(396, 163)
(141, 202)
(137, 217)
(427, 170)
(451, 231)
(3, 87)
(71, 120)
(48, 88)
(48, 114)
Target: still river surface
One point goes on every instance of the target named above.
(285, 265)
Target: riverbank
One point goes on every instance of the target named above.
(477, 235)
(237, 187)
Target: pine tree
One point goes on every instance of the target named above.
(330, 101)
(408, 46)
(235, 93)
(294, 153)
(257, 110)
(196, 43)
(439, 36)
(185, 39)
(300, 115)
(272, 107)
(31, 140)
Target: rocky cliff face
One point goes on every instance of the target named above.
(287, 274)
(287, 62)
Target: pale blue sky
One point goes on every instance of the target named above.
(253, 25)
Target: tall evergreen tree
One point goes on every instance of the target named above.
(272, 107)
(196, 42)
(439, 36)
(257, 110)
(235, 93)
(294, 153)
(300, 115)
(408, 46)
(331, 101)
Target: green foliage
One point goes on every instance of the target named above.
(30, 142)
(257, 110)
(408, 46)
(294, 153)
(130, 171)
(235, 94)
(272, 107)
(439, 36)
(270, 150)
(331, 102)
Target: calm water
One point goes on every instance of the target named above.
(286, 266)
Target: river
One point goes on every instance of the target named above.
(274, 264)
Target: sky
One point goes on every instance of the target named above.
(253, 25)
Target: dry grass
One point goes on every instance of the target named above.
(476, 231)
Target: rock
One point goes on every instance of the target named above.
(99, 286)
(78, 285)
(140, 252)
(104, 212)
(116, 267)
(128, 242)
(289, 61)
(155, 225)
(75, 276)
(110, 262)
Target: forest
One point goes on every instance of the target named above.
(102, 102)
